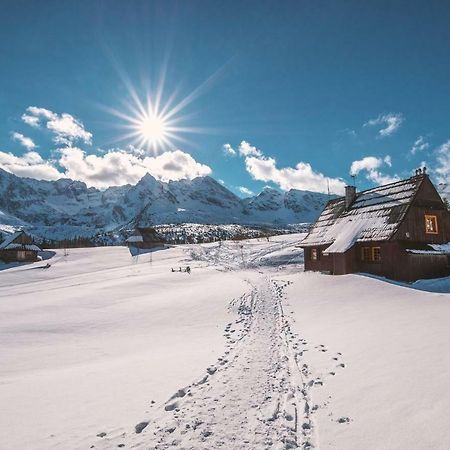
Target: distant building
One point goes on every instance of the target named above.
(399, 231)
(19, 247)
(145, 238)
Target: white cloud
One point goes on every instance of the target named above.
(390, 121)
(118, 167)
(245, 191)
(371, 164)
(419, 145)
(30, 120)
(113, 168)
(245, 149)
(442, 169)
(302, 176)
(23, 140)
(30, 165)
(65, 128)
(229, 150)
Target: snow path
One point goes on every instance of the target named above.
(254, 397)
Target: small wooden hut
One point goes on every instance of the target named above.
(19, 247)
(400, 231)
(146, 237)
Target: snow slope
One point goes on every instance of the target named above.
(247, 352)
(87, 344)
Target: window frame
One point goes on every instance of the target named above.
(434, 218)
(314, 256)
(375, 260)
(368, 254)
(363, 258)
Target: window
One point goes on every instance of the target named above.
(365, 254)
(370, 254)
(431, 225)
(314, 254)
(21, 255)
(376, 254)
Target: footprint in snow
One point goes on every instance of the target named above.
(140, 427)
(344, 420)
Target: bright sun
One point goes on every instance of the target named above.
(153, 129)
(152, 124)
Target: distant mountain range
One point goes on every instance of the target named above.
(66, 208)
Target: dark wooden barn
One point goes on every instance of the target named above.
(145, 238)
(400, 231)
(19, 247)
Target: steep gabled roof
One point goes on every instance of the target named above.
(10, 243)
(374, 215)
(9, 240)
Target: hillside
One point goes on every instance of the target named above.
(247, 352)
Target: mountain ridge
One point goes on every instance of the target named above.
(65, 208)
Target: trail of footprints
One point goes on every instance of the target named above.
(258, 394)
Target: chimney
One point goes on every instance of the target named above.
(350, 194)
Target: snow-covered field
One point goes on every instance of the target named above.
(246, 352)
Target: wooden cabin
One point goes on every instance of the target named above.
(400, 231)
(145, 238)
(19, 247)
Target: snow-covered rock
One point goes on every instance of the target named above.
(66, 208)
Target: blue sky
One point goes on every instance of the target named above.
(302, 92)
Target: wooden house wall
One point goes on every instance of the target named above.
(323, 264)
(13, 255)
(395, 263)
(427, 202)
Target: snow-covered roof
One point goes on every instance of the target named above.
(9, 239)
(10, 244)
(135, 238)
(374, 215)
(443, 248)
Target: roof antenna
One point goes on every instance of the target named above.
(328, 186)
(354, 179)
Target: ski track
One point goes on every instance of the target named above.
(257, 395)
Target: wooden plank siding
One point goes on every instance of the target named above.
(426, 202)
(396, 262)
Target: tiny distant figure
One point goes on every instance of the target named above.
(172, 269)
(47, 266)
(180, 270)
(188, 270)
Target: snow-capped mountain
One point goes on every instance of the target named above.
(67, 208)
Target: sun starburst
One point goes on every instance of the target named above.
(153, 124)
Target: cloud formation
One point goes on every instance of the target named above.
(442, 169)
(419, 145)
(23, 140)
(245, 191)
(245, 149)
(391, 122)
(113, 168)
(229, 150)
(302, 176)
(30, 165)
(118, 167)
(371, 165)
(65, 128)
